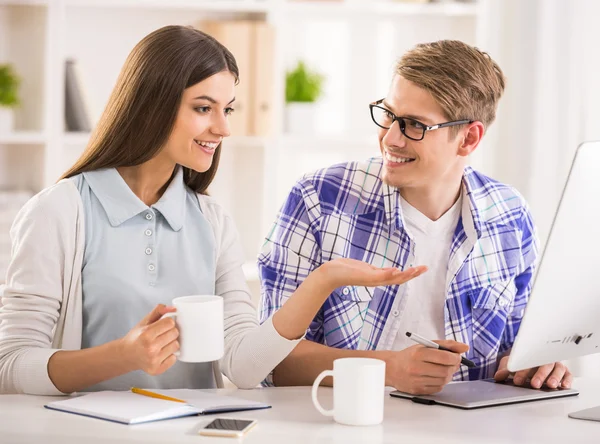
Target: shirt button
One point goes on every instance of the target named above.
(346, 291)
(396, 313)
(148, 232)
(151, 267)
(502, 302)
(148, 250)
(149, 216)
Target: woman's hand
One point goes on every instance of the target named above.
(149, 346)
(294, 317)
(342, 271)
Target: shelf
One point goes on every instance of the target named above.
(453, 9)
(23, 138)
(24, 2)
(374, 7)
(239, 6)
(320, 142)
(383, 8)
(246, 141)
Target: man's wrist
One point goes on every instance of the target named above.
(385, 356)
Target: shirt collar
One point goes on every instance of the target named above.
(472, 207)
(172, 203)
(393, 209)
(121, 204)
(471, 211)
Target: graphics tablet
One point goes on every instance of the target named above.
(485, 393)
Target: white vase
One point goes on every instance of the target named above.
(7, 118)
(300, 118)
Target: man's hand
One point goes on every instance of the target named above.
(555, 375)
(419, 370)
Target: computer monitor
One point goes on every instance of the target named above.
(562, 318)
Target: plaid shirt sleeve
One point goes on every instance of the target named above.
(291, 251)
(523, 281)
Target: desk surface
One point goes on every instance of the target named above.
(293, 419)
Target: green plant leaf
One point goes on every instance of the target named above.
(9, 86)
(303, 85)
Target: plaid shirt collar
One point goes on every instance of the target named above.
(471, 187)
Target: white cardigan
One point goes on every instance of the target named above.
(41, 311)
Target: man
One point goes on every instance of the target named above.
(417, 204)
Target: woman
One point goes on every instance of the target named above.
(130, 227)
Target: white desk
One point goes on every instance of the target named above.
(294, 420)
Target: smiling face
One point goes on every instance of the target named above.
(201, 123)
(415, 164)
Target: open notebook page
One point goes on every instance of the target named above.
(123, 407)
(210, 402)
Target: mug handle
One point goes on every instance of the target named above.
(315, 387)
(171, 315)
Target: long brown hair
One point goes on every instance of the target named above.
(143, 106)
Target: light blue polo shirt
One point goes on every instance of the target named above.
(137, 257)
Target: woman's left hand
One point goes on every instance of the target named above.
(342, 271)
(294, 317)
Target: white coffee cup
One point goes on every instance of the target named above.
(199, 320)
(358, 391)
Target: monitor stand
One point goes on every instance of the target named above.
(592, 414)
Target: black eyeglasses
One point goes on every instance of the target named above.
(411, 128)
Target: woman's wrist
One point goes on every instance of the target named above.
(118, 350)
(75, 370)
(323, 278)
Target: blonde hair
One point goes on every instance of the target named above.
(464, 81)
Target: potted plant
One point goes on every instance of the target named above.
(9, 84)
(302, 89)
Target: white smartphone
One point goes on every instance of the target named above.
(229, 427)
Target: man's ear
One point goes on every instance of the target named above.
(471, 137)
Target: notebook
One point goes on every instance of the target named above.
(132, 408)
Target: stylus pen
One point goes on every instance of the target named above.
(427, 343)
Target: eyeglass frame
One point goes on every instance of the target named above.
(398, 119)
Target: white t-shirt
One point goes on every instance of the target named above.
(426, 296)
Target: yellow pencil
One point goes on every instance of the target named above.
(140, 391)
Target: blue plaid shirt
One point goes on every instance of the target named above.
(347, 211)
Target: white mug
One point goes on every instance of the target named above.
(358, 391)
(199, 320)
